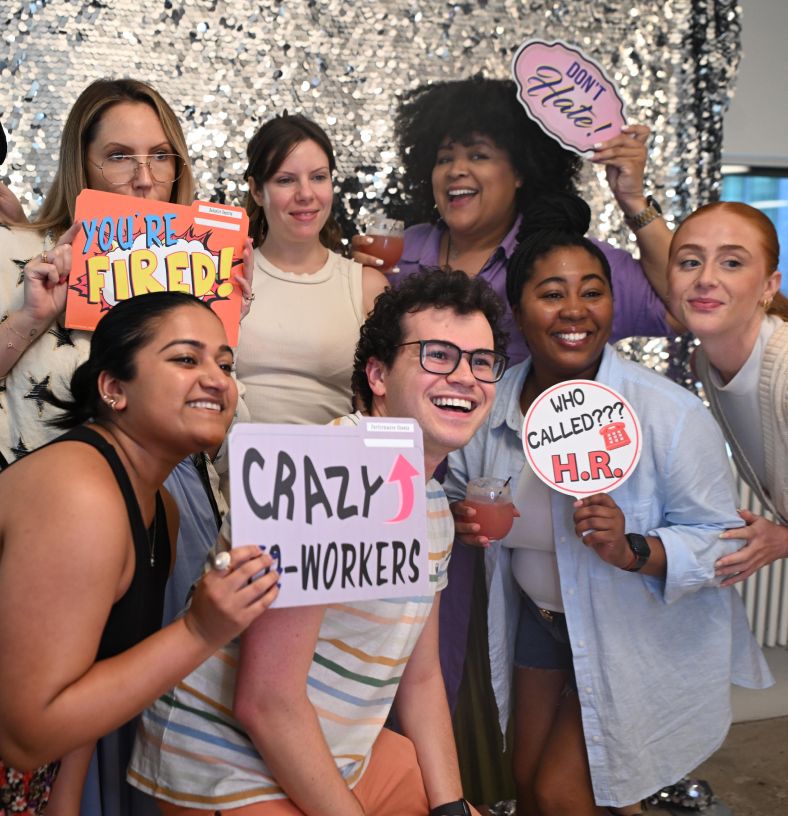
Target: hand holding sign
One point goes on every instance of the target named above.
(600, 524)
(46, 279)
(225, 602)
(567, 94)
(624, 158)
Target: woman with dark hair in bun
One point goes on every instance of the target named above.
(473, 163)
(606, 605)
(84, 561)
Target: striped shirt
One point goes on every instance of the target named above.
(191, 751)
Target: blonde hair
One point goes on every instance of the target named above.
(57, 211)
(770, 243)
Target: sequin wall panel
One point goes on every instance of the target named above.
(227, 67)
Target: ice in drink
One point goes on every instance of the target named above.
(491, 498)
(387, 240)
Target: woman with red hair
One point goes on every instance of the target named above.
(725, 287)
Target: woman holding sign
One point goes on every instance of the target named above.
(295, 354)
(109, 128)
(120, 136)
(604, 605)
(725, 286)
(82, 584)
(473, 161)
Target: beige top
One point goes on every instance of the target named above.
(296, 345)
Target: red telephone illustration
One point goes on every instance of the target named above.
(615, 435)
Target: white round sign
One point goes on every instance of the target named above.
(581, 437)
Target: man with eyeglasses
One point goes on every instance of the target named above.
(316, 684)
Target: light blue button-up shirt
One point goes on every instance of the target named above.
(654, 658)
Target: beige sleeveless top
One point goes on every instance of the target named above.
(296, 345)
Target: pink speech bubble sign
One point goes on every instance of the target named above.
(568, 94)
(581, 437)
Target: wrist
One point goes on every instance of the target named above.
(649, 211)
(202, 642)
(640, 552)
(26, 321)
(631, 205)
(457, 808)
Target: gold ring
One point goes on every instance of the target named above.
(249, 298)
(44, 257)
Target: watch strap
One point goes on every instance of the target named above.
(642, 219)
(640, 552)
(456, 808)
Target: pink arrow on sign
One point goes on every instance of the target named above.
(403, 472)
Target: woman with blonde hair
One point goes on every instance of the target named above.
(112, 125)
(725, 287)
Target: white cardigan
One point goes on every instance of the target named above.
(773, 404)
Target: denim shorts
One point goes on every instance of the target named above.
(542, 639)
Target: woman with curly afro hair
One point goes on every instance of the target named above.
(473, 160)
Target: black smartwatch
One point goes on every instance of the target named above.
(640, 550)
(458, 808)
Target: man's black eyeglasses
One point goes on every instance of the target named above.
(442, 357)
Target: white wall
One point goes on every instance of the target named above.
(756, 125)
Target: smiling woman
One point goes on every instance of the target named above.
(724, 284)
(295, 352)
(120, 136)
(473, 162)
(591, 599)
(82, 585)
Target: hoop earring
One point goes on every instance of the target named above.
(766, 303)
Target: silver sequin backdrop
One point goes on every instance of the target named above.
(225, 67)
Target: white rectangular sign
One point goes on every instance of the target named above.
(342, 509)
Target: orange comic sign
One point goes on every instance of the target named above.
(129, 246)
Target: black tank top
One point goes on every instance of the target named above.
(137, 614)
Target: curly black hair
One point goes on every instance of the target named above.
(431, 288)
(550, 222)
(457, 109)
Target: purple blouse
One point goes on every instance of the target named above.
(637, 309)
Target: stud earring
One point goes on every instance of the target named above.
(111, 401)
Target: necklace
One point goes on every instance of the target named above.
(152, 537)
